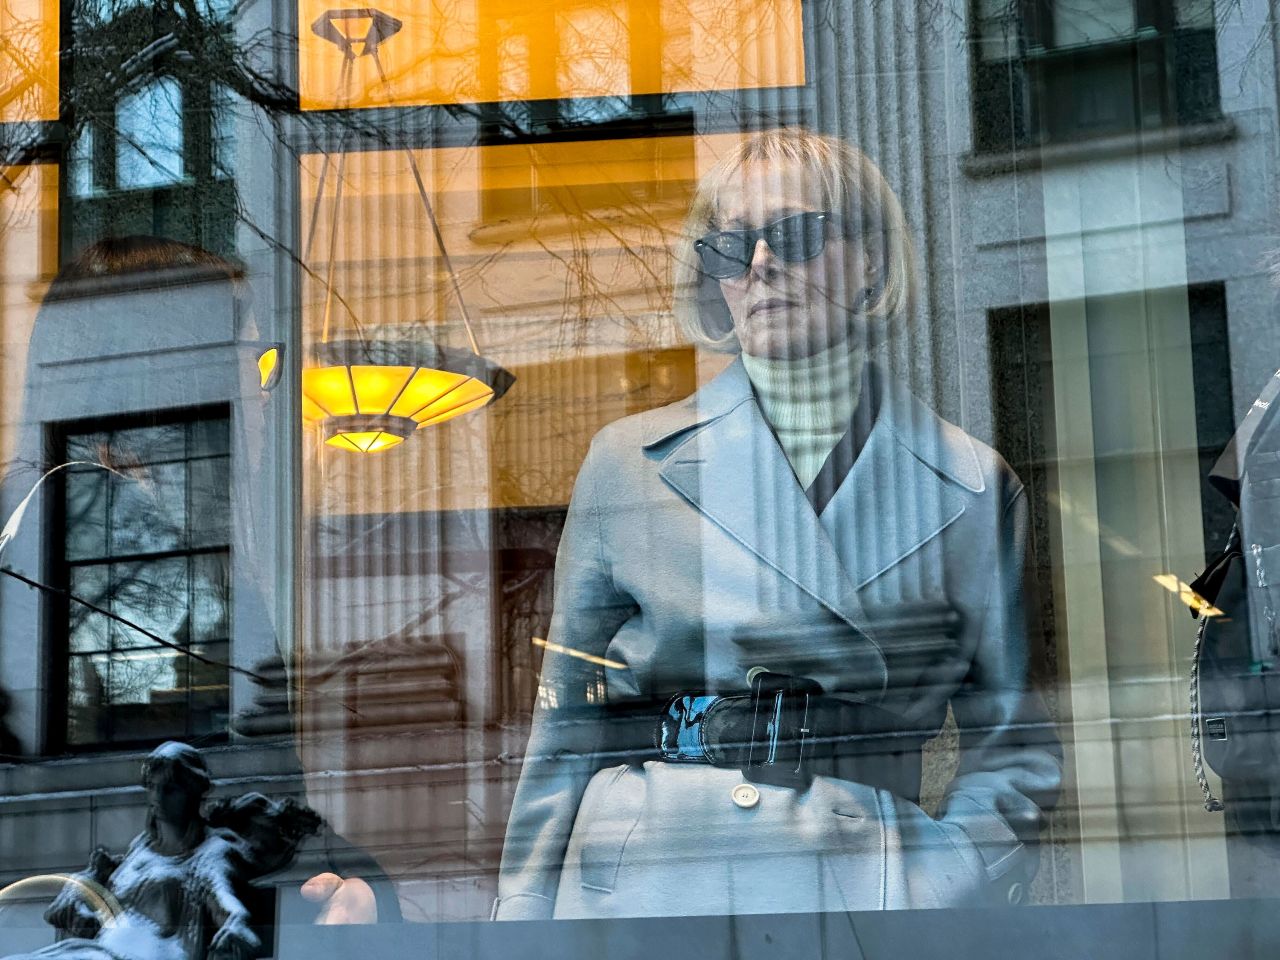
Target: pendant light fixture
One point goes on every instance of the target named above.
(369, 389)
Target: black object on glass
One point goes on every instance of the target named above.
(794, 239)
(782, 735)
(185, 888)
(1235, 674)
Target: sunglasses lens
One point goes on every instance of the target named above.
(725, 255)
(797, 238)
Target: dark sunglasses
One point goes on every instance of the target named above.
(794, 239)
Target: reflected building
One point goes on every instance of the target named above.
(1091, 189)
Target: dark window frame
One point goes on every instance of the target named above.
(1033, 98)
(179, 210)
(55, 610)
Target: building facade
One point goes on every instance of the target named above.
(1090, 190)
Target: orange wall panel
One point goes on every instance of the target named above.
(28, 60)
(479, 51)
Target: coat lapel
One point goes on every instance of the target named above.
(907, 486)
(724, 460)
(910, 482)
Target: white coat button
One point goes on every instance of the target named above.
(1015, 893)
(746, 796)
(755, 672)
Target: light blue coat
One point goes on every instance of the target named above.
(690, 555)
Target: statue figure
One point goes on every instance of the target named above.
(179, 891)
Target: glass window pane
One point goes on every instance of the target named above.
(149, 137)
(208, 437)
(225, 108)
(152, 595)
(999, 29)
(674, 45)
(1194, 14)
(1091, 21)
(88, 680)
(209, 688)
(144, 676)
(149, 510)
(89, 447)
(86, 513)
(210, 490)
(210, 597)
(90, 630)
(150, 444)
(29, 61)
(82, 179)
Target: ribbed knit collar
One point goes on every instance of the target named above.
(812, 394)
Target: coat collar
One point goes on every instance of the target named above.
(938, 444)
(717, 452)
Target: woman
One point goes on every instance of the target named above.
(789, 577)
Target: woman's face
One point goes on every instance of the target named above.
(790, 310)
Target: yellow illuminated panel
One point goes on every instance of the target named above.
(469, 395)
(426, 387)
(329, 390)
(370, 441)
(28, 60)
(563, 252)
(377, 387)
(460, 52)
(268, 367)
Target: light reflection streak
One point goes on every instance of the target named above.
(570, 652)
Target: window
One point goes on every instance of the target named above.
(148, 541)
(152, 135)
(1050, 71)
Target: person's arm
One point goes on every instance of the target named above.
(568, 733)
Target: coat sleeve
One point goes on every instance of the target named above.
(1010, 766)
(566, 742)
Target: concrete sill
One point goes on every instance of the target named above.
(978, 165)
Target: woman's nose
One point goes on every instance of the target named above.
(763, 261)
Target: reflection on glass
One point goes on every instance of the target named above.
(149, 145)
(160, 573)
(451, 53)
(29, 60)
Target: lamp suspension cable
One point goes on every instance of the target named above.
(431, 215)
(371, 390)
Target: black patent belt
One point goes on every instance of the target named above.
(786, 731)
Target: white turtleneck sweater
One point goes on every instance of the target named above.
(809, 402)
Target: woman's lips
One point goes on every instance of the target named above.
(773, 303)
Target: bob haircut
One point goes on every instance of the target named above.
(849, 184)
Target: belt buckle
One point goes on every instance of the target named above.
(782, 736)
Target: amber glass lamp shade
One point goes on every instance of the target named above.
(370, 395)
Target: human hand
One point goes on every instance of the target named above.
(344, 901)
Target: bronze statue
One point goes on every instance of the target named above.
(180, 891)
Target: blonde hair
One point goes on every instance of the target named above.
(849, 184)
